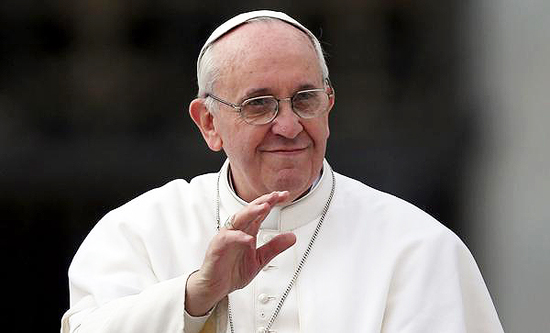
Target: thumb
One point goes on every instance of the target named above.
(274, 247)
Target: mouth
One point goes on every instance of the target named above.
(286, 151)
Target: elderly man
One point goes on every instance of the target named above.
(276, 241)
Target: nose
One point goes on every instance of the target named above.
(287, 123)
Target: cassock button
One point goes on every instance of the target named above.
(263, 298)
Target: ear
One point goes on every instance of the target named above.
(332, 100)
(205, 122)
(331, 92)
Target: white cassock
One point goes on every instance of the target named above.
(379, 264)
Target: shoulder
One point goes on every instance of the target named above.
(154, 221)
(174, 193)
(395, 233)
(162, 207)
(156, 236)
(387, 216)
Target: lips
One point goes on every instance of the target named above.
(285, 151)
(286, 146)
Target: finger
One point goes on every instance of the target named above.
(274, 247)
(249, 214)
(254, 226)
(257, 210)
(226, 244)
(272, 198)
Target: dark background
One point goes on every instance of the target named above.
(93, 112)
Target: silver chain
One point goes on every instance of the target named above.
(300, 265)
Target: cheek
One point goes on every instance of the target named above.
(320, 131)
(242, 143)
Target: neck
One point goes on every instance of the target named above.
(232, 183)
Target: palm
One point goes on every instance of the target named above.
(232, 259)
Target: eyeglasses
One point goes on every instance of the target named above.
(262, 110)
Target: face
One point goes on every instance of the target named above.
(269, 58)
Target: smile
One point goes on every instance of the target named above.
(286, 151)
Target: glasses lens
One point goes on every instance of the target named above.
(310, 103)
(259, 110)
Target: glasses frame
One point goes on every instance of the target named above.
(238, 107)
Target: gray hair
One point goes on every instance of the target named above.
(209, 67)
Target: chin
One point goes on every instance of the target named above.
(295, 184)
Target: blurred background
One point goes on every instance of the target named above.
(442, 103)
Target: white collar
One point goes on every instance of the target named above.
(281, 218)
(232, 187)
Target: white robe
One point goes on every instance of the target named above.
(379, 265)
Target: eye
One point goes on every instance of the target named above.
(307, 101)
(258, 102)
(305, 96)
(257, 108)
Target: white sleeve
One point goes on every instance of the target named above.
(437, 287)
(156, 309)
(114, 288)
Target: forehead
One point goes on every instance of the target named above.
(255, 31)
(266, 49)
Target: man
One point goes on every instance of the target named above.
(276, 241)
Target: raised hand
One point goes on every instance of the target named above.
(232, 259)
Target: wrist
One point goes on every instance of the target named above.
(200, 297)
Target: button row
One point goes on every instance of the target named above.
(264, 298)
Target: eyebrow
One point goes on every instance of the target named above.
(254, 92)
